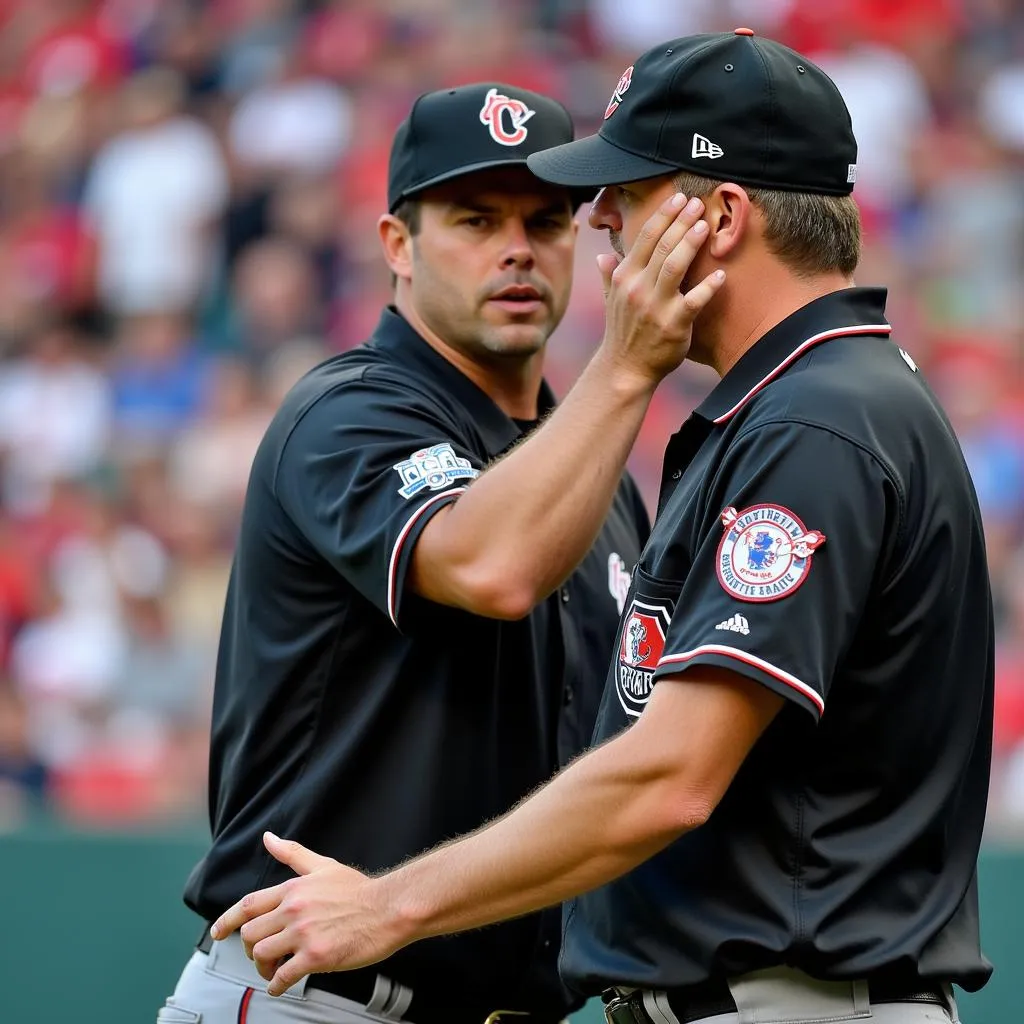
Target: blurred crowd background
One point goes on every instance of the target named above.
(188, 198)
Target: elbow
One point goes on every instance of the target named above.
(692, 813)
(681, 811)
(499, 595)
(688, 811)
(508, 604)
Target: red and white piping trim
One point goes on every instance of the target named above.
(817, 339)
(732, 652)
(397, 550)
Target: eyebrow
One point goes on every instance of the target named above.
(475, 206)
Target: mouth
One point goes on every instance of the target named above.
(518, 298)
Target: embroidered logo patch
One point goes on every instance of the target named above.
(620, 90)
(766, 552)
(640, 650)
(433, 469)
(505, 118)
(703, 146)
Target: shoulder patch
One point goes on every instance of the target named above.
(765, 553)
(433, 469)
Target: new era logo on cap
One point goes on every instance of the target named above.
(705, 147)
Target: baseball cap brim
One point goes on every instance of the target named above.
(592, 163)
(485, 165)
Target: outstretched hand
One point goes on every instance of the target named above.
(329, 918)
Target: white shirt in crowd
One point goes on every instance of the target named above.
(152, 193)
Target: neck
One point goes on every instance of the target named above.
(513, 384)
(767, 299)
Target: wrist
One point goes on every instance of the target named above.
(407, 914)
(628, 383)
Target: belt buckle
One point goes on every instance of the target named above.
(621, 1009)
(493, 1018)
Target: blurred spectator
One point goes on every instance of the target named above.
(23, 777)
(71, 50)
(55, 416)
(633, 27)
(210, 459)
(889, 107)
(275, 299)
(257, 35)
(154, 196)
(158, 379)
(294, 122)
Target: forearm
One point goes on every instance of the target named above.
(529, 520)
(605, 814)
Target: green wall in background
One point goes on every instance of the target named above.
(94, 931)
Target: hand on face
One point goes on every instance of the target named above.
(648, 316)
(326, 919)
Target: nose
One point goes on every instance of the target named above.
(517, 250)
(604, 213)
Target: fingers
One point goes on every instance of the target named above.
(675, 265)
(667, 246)
(291, 972)
(269, 952)
(253, 905)
(700, 295)
(294, 855)
(260, 928)
(606, 264)
(642, 250)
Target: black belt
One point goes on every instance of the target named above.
(711, 998)
(358, 986)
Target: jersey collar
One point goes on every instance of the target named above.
(849, 311)
(395, 334)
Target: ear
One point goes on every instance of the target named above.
(396, 242)
(728, 212)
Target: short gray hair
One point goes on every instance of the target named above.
(811, 234)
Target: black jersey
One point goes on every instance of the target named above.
(817, 532)
(362, 720)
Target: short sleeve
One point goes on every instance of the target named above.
(363, 472)
(797, 521)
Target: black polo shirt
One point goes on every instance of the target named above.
(371, 743)
(818, 533)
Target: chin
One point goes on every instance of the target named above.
(516, 340)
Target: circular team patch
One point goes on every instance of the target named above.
(766, 552)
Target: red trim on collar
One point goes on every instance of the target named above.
(816, 339)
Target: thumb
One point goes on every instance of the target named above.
(293, 854)
(606, 263)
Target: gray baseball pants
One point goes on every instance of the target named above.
(223, 987)
(786, 996)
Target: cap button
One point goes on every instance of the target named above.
(743, 32)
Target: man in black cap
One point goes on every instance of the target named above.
(782, 816)
(406, 651)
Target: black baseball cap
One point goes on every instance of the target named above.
(729, 106)
(453, 132)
